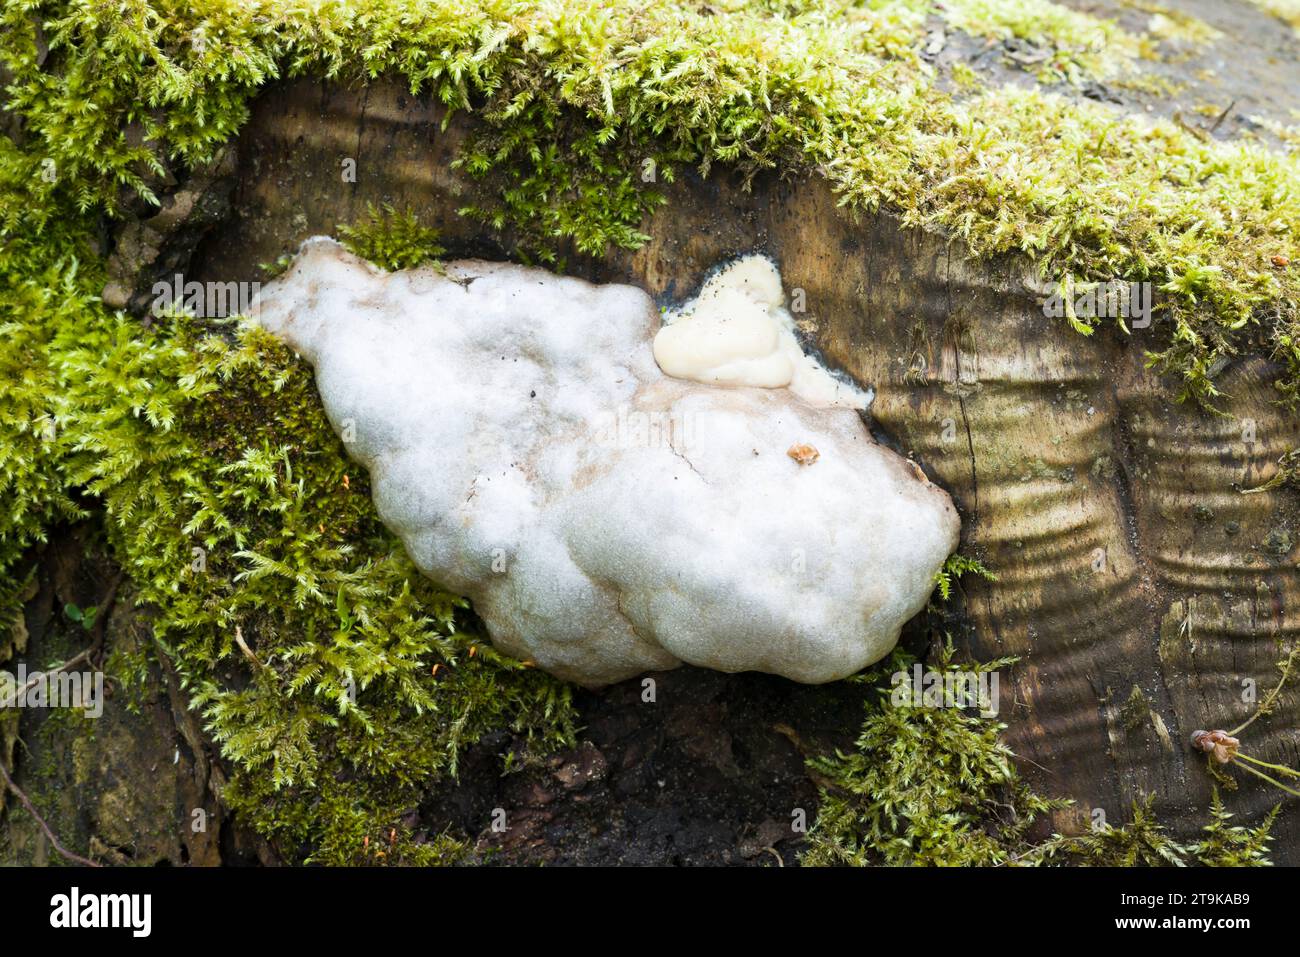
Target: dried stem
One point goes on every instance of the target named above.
(54, 841)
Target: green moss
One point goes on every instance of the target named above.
(336, 679)
(934, 786)
(41, 289)
(561, 177)
(923, 786)
(954, 567)
(1077, 45)
(578, 97)
(1231, 845)
(1144, 842)
(392, 240)
(187, 440)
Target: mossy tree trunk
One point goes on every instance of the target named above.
(1141, 589)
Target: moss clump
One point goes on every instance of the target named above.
(328, 669)
(392, 240)
(42, 289)
(578, 96)
(923, 785)
(954, 567)
(334, 676)
(561, 177)
(934, 786)
(1078, 46)
(1144, 842)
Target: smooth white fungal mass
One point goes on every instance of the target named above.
(737, 332)
(605, 518)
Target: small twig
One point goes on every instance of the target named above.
(1224, 748)
(243, 646)
(1266, 706)
(39, 676)
(1286, 472)
(54, 841)
(105, 610)
(96, 641)
(1222, 116)
(1191, 128)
